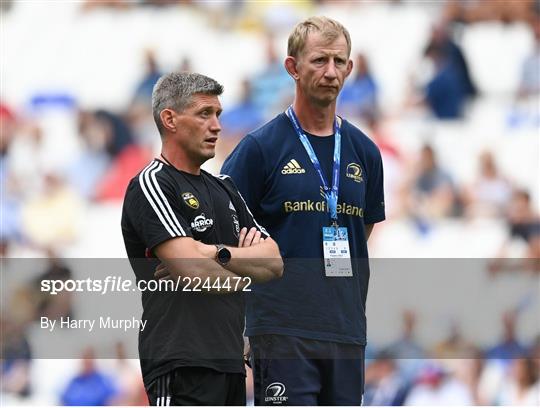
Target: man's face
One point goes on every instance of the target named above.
(322, 68)
(198, 127)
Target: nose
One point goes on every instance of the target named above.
(331, 70)
(215, 126)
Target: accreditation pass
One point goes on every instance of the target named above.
(337, 255)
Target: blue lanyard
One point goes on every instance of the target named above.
(331, 194)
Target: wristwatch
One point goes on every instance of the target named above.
(223, 255)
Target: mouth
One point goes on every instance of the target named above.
(211, 140)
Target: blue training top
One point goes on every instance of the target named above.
(273, 172)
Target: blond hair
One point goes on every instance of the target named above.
(330, 29)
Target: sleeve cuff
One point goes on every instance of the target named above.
(375, 218)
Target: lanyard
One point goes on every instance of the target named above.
(331, 194)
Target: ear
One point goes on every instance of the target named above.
(349, 67)
(168, 119)
(290, 66)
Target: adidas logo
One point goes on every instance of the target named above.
(292, 167)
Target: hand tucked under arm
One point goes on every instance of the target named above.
(255, 257)
(261, 262)
(185, 257)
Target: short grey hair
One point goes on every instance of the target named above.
(174, 91)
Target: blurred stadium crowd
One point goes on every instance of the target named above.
(449, 91)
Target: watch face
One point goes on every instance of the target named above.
(224, 255)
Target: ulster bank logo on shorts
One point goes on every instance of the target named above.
(292, 167)
(354, 171)
(274, 394)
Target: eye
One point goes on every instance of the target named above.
(205, 113)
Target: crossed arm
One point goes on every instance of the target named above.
(256, 258)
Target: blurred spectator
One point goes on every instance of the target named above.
(90, 5)
(271, 16)
(445, 93)
(530, 71)
(509, 347)
(185, 65)
(89, 166)
(89, 386)
(407, 350)
(16, 359)
(454, 346)
(131, 388)
(139, 114)
(489, 195)
(431, 193)
(7, 130)
(103, 128)
(441, 38)
(18, 310)
(499, 361)
(26, 161)
(392, 160)
(448, 84)
(384, 384)
(469, 371)
(466, 11)
(52, 218)
(524, 225)
(272, 88)
(117, 132)
(436, 387)
(53, 306)
(358, 99)
(522, 387)
(386, 144)
(159, 3)
(10, 227)
(242, 118)
(407, 347)
(223, 15)
(113, 185)
(49, 130)
(238, 120)
(525, 113)
(143, 92)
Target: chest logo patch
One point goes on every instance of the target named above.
(292, 167)
(190, 200)
(354, 171)
(201, 223)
